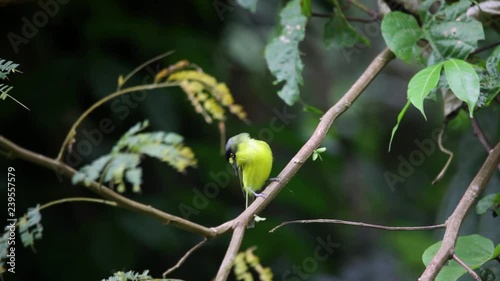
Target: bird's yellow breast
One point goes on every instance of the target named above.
(256, 160)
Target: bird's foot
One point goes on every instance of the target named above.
(274, 179)
(262, 194)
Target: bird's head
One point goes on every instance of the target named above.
(232, 147)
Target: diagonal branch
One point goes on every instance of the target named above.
(454, 222)
(478, 132)
(361, 224)
(184, 258)
(464, 265)
(63, 169)
(304, 153)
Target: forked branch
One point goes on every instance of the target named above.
(304, 153)
(454, 222)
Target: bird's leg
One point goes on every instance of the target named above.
(274, 179)
(262, 194)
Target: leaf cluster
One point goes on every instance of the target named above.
(122, 163)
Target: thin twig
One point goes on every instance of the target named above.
(446, 151)
(478, 132)
(62, 169)
(454, 222)
(471, 272)
(137, 69)
(20, 103)
(73, 199)
(321, 15)
(361, 224)
(479, 50)
(78, 199)
(72, 131)
(355, 19)
(186, 255)
(365, 8)
(302, 155)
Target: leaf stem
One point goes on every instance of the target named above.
(72, 131)
(137, 69)
(78, 199)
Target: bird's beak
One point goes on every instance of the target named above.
(235, 167)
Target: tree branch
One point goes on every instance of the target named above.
(478, 132)
(232, 251)
(471, 272)
(361, 224)
(454, 222)
(63, 169)
(305, 152)
(184, 258)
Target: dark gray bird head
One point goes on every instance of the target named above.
(232, 147)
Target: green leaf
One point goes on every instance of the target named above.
(134, 176)
(340, 33)
(450, 32)
(93, 170)
(401, 33)
(489, 201)
(473, 250)
(312, 109)
(421, 84)
(248, 4)
(30, 228)
(122, 164)
(463, 81)
(320, 150)
(489, 79)
(306, 7)
(400, 117)
(282, 53)
(496, 252)
(132, 276)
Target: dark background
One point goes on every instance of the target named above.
(75, 59)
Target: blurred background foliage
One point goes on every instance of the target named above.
(76, 58)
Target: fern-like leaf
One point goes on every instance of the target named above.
(247, 260)
(129, 276)
(122, 164)
(208, 97)
(30, 228)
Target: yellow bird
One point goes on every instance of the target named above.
(252, 161)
